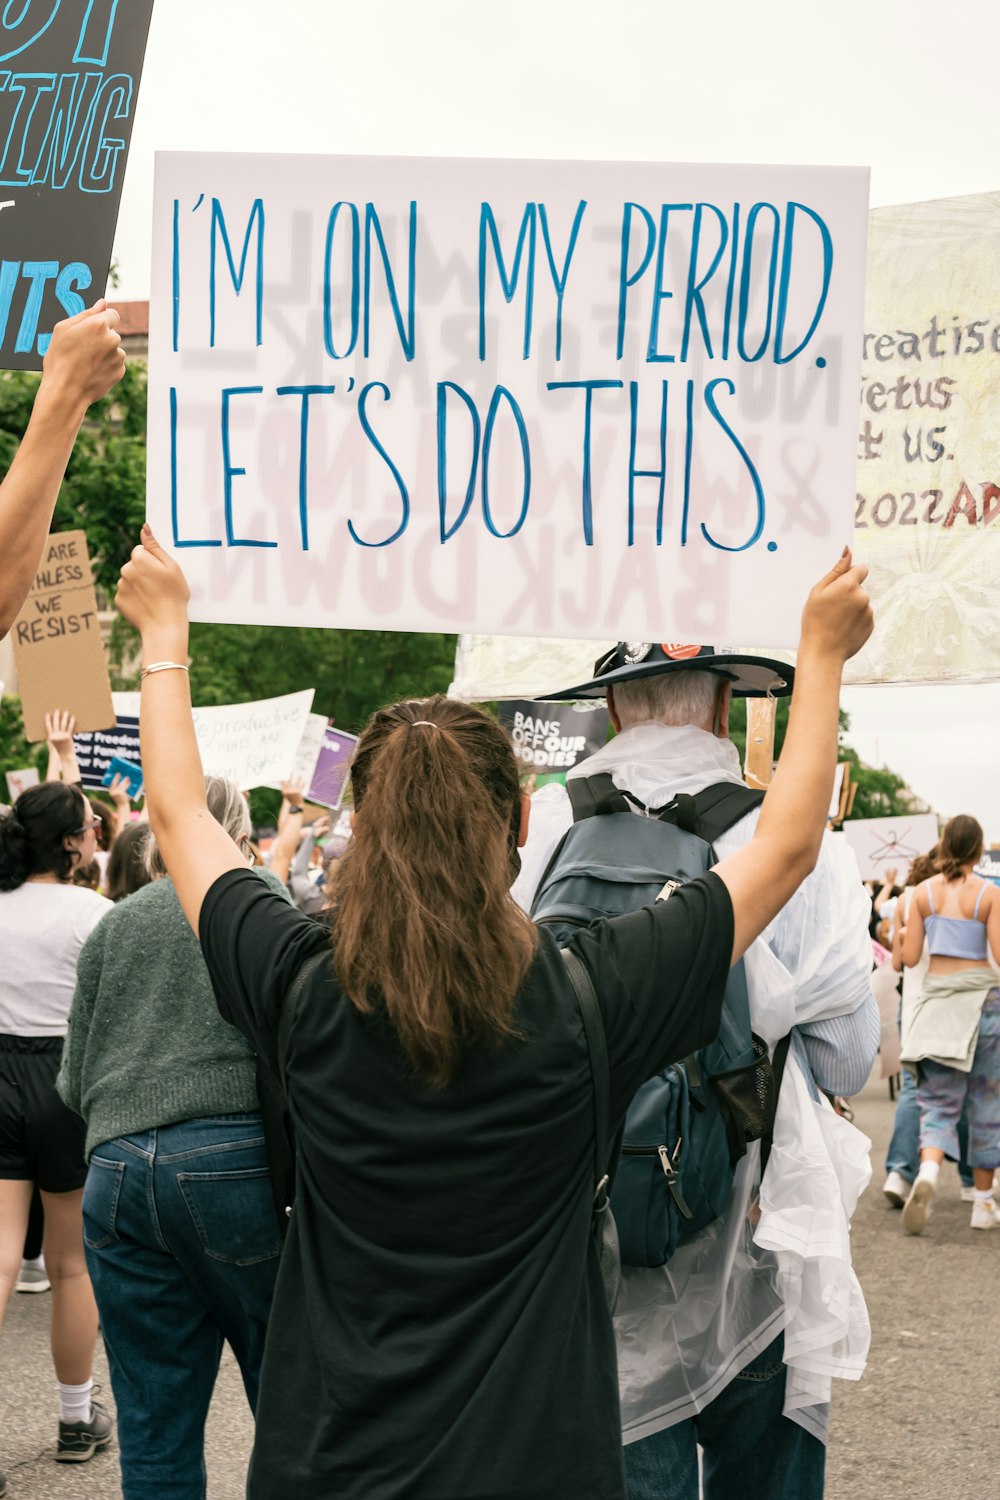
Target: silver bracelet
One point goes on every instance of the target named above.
(163, 666)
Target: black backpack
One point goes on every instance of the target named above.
(687, 1127)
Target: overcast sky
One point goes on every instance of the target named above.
(905, 88)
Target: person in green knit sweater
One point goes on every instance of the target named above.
(180, 1230)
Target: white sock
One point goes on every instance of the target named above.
(74, 1402)
(38, 1264)
(929, 1171)
(982, 1195)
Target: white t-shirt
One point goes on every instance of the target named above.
(43, 926)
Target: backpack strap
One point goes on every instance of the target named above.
(718, 807)
(710, 813)
(778, 1070)
(290, 1009)
(590, 796)
(597, 1048)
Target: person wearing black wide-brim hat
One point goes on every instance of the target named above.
(629, 661)
(703, 1342)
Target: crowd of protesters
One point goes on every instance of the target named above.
(287, 1102)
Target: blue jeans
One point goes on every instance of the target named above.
(750, 1451)
(182, 1246)
(903, 1155)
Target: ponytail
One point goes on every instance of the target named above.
(32, 834)
(425, 924)
(961, 844)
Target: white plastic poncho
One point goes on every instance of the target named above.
(686, 1329)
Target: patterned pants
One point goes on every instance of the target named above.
(942, 1092)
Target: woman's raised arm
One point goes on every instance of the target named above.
(153, 596)
(762, 875)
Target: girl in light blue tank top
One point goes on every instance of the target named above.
(954, 1034)
(956, 937)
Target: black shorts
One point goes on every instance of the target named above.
(40, 1139)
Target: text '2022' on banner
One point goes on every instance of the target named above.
(549, 398)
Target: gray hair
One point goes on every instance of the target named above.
(681, 697)
(227, 805)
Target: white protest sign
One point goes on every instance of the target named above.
(307, 754)
(20, 781)
(882, 844)
(601, 399)
(254, 744)
(928, 478)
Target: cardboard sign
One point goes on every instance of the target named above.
(332, 766)
(19, 781)
(254, 744)
(69, 81)
(595, 399)
(96, 751)
(550, 738)
(57, 641)
(881, 844)
(928, 474)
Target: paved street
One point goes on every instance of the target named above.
(920, 1422)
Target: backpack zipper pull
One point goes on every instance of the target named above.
(669, 1165)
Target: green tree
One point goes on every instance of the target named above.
(353, 671)
(103, 493)
(15, 751)
(880, 793)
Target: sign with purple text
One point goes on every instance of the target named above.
(334, 761)
(597, 399)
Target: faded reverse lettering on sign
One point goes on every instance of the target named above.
(928, 486)
(546, 398)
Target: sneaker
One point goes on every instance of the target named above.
(917, 1208)
(968, 1194)
(79, 1441)
(31, 1279)
(986, 1215)
(896, 1189)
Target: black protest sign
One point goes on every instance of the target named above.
(96, 751)
(69, 83)
(550, 738)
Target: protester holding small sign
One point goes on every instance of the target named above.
(440, 1324)
(84, 360)
(44, 922)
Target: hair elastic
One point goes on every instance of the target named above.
(428, 722)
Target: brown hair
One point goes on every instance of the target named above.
(923, 867)
(425, 924)
(961, 844)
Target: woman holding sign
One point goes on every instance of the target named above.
(44, 921)
(440, 1326)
